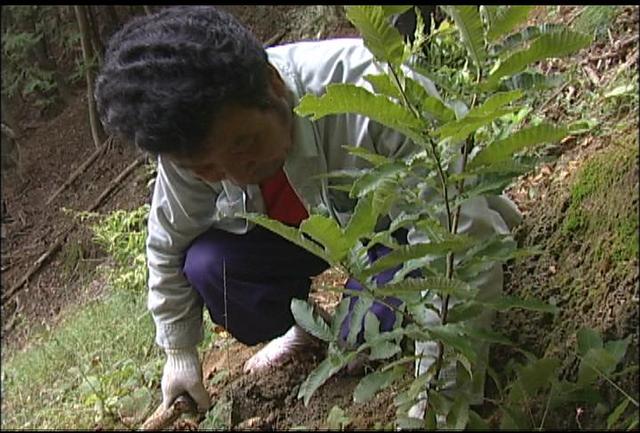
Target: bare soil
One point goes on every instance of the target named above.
(54, 148)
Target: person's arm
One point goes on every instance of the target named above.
(182, 208)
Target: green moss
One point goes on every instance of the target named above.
(603, 204)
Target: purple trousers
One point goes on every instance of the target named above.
(262, 272)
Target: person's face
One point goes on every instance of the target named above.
(245, 145)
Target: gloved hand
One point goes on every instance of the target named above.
(183, 374)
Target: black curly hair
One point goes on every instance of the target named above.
(167, 75)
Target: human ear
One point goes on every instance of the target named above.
(276, 82)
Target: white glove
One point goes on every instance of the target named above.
(183, 374)
(280, 349)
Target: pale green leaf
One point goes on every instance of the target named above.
(383, 40)
(382, 84)
(291, 234)
(323, 372)
(477, 333)
(549, 45)
(525, 138)
(627, 89)
(384, 350)
(451, 335)
(313, 324)
(529, 81)
(408, 252)
(338, 316)
(508, 302)
(506, 20)
(374, 382)
(337, 419)
(614, 416)
(494, 102)
(617, 348)
(362, 221)
(588, 339)
(595, 18)
(440, 285)
(375, 177)
(458, 415)
(538, 374)
(476, 422)
(389, 10)
(371, 326)
(384, 195)
(516, 39)
(348, 98)
(326, 231)
(429, 104)
(460, 129)
(374, 158)
(360, 308)
(468, 23)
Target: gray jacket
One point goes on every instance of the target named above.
(183, 206)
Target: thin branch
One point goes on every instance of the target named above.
(80, 169)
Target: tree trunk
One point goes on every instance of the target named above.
(96, 127)
(96, 42)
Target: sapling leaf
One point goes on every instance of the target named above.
(360, 308)
(291, 234)
(374, 382)
(384, 350)
(458, 415)
(333, 363)
(601, 361)
(372, 180)
(326, 231)
(349, 98)
(374, 158)
(506, 20)
(495, 102)
(383, 84)
(362, 221)
(459, 129)
(508, 302)
(548, 45)
(440, 285)
(476, 422)
(389, 10)
(384, 195)
(529, 81)
(614, 416)
(588, 339)
(408, 252)
(478, 333)
(514, 40)
(468, 23)
(338, 317)
(525, 138)
(538, 375)
(380, 37)
(452, 335)
(371, 326)
(313, 324)
(337, 419)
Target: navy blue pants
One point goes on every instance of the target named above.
(262, 273)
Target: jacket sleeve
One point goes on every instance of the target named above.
(182, 207)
